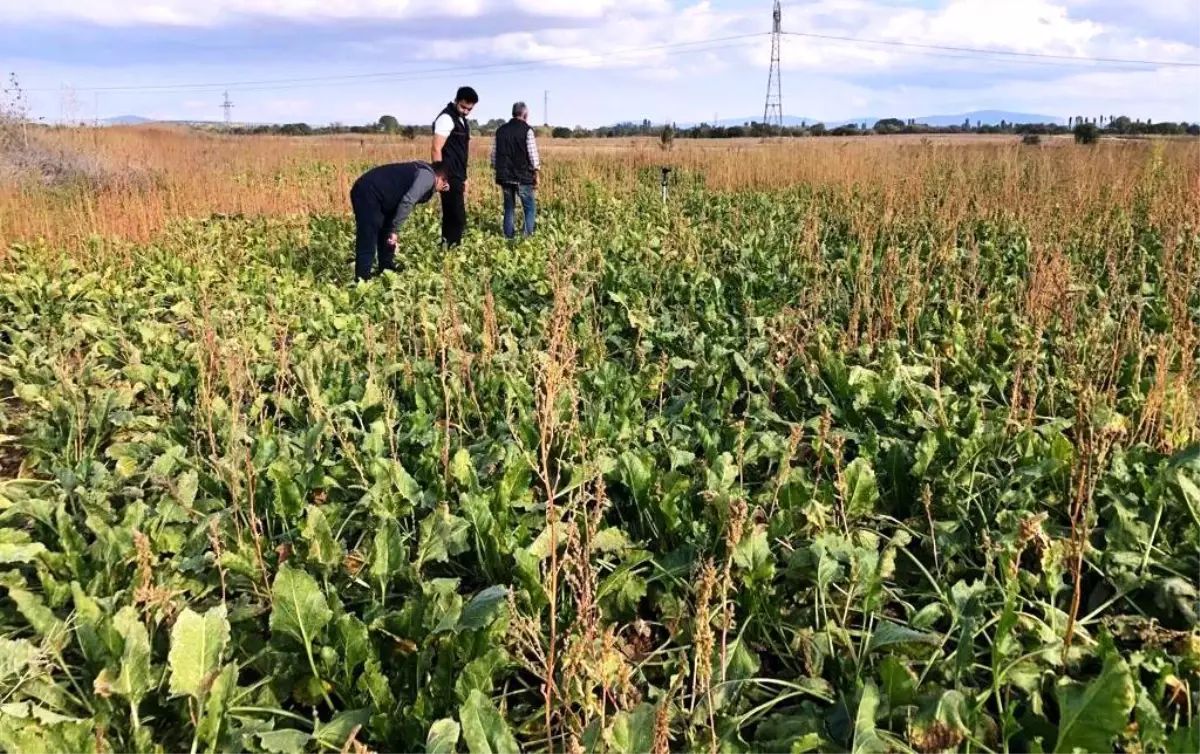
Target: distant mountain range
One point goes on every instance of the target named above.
(986, 117)
(137, 120)
(125, 120)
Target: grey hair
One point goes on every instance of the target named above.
(519, 109)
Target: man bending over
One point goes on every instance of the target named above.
(383, 198)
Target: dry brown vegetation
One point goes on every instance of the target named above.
(154, 175)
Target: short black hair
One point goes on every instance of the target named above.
(466, 94)
(440, 170)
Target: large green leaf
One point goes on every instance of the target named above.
(135, 679)
(335, 733)
(286, 741)
(197, 643)
(888, 633)
(323, 549)
(298, 607)
(1185, 740)
(33, 607)
(754, 555)
(899, 682)
(388, 555)
(866, 735)
(484, 728)
(18, 547)
(633, 731)
(289, 501)
(219, 695)
(354, 640)
(442, 535)
(862, 491)
(483, 608)
(1091, 715)
(442, 738)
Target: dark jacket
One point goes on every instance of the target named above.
(513, 164)
(457, 148)
(397, 187)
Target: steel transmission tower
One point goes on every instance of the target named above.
(227, 106)
(773, 109)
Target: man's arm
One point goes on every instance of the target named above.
(534, 157)
(422, 185)
(442, 128)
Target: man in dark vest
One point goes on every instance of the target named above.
(383, 198)
(451, 146)
(516, 162)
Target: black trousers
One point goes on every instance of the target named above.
(372, 229)
(454, 213)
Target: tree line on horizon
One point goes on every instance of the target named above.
(1111, 125)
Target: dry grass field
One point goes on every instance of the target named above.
(152, 175)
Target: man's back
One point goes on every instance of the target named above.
(514, 161)
(391, 182)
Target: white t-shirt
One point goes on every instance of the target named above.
(444, 125)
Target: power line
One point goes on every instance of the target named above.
(481, 70)
(410, 74)
(1009, 53)
(1061, 65)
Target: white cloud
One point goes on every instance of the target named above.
(215, 12)
(668, 43)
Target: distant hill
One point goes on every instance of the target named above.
(125, 120)
(989, 118)
(788, 120)
(986, 117)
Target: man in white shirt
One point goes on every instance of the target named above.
(451, 147)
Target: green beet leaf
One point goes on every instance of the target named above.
(197, 643)
(219, 695)
(17, 547)
(323, 549)
(335, 733)
(442, 536)
(484, 728)
(888, 633)
(298, 607)
(1092, 714)
(633, 731)
(483, 608)
(862, 491)
(442, 738)
(286, 741)
(135, 679)
(866, 735)
(389, 554)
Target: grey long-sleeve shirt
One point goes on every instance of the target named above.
(399, 187)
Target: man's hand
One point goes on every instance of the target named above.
(392, 239)
(466, 187)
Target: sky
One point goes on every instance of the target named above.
(601, 61)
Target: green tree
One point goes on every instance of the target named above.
(1086, 133)
(561, 132)
(889, 126)
(667, 137)
(388, 124)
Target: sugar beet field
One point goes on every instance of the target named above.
(904, 461)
